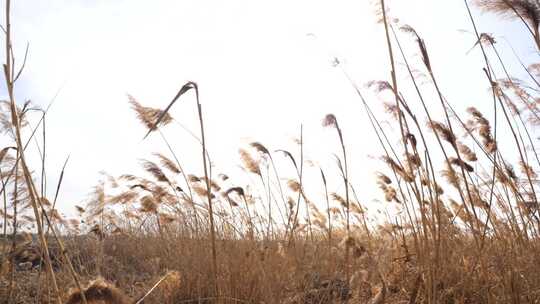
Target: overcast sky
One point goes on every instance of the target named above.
(263, 68)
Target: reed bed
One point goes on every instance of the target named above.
(458, 187)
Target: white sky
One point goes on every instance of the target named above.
(259, 73)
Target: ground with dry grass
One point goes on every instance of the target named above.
(461, 220)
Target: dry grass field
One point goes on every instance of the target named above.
(464, 225)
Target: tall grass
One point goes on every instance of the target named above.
(461, 219)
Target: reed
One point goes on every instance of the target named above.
(455, 220)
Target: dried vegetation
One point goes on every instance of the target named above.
(460, 221)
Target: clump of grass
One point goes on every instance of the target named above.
(98, 292)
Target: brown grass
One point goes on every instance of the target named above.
(458, 219)
(98, 292)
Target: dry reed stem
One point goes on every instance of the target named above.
(8, 73)
(188, 86)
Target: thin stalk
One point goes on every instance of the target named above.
(327, 210)
(8, 73)
(14, 235)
